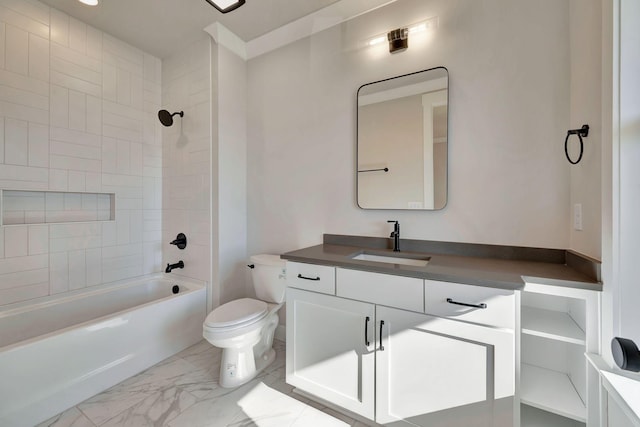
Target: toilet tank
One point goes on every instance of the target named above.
(268, 276)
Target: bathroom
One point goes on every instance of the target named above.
(263, 159)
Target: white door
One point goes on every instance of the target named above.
(330, 349)
(437, 372)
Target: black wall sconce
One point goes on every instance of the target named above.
(226, 6)
(398, 40)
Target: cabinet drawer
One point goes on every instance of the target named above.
(311, 277)
(440, 299)
(384, 289)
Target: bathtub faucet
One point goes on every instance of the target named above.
(170, 267)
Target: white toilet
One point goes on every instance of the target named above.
(244, 328)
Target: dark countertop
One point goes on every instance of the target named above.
(482, 265)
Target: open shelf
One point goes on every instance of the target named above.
(551, 391)
(533, 417)
(551, 324)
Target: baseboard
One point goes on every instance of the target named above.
(281, 333)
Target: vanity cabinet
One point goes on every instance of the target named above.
(372, 350)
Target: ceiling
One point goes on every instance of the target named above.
(163, 27)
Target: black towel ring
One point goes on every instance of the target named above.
(582, 132)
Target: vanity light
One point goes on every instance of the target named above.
(399, 38)
(225, 6)
(89, 2)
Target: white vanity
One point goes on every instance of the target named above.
(399, 350)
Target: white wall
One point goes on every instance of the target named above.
(509, 68)
(77, 113)
(186, 195)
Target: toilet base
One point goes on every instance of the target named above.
(239, 366)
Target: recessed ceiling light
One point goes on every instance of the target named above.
(89, 2)
(225, 6)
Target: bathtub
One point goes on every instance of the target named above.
(60, 351)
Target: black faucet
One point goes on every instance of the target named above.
(396, 236)
(170, 267)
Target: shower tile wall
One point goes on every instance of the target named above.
(77, 114)
(187, 159)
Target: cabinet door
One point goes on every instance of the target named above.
(432, 371)
(330, 345)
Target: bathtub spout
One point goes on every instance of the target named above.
(170, 267)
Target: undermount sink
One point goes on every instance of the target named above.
(416, 261)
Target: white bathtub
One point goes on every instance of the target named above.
(60, 351)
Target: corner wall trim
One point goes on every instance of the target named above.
(225, 37)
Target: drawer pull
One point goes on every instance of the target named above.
(366, 332)
(300, 276)
(481, 305)
(381, 325)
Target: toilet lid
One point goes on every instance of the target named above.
(236, 312)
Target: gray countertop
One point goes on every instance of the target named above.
(502, 267)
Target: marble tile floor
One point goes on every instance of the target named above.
(182, 391)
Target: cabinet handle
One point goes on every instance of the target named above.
(366, 332)
(300, 276)
(381, 325)
(481, 305)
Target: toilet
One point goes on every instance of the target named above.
(244, 328)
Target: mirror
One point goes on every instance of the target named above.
(402, 141)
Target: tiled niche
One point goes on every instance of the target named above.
(47, 207)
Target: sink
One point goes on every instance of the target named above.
(417, 261)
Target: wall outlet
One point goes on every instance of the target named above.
(577, 216)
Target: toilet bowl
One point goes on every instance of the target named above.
(244, 328)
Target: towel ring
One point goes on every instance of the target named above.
(582, 132)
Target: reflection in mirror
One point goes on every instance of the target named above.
(402, 142)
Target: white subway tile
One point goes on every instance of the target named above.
(1, 243)
(74, 70)
(75, 83)
(94, 43)
(59, 106)
(29, 8)
(24, 293)
(94, 115)
(94, 266)
(109, 82)
(137, 92)
(109, 155)
(58, 273)
(75, 137)
(24, 112)
(74, 243)
(16, 50)
(59, 27)
(127, 111)
(58, 180)
(34, 217)
(93, 182)
(75, 150)
(38, 145)
(123, 121)
(23, 21)
(16, 146)
(77, 35)
(77, 270)
(38, 239)
(152, 69)
(72, 202)
(152, 258)
(59, 231)
(23, 173)
(24, 97)
(38, 57)
(14, 265)
(123, 87)
(123, 221)
(77, 111)
(135, 226)
(109, 234)
(74, 163)
(65, 59)
(16, 242)
(121, 133)
(77, 181)
(23, 278)
(122, 54)
(13, 217)
(3, 37)
(124, 157)
(25, 83)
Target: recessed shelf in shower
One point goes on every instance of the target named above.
(46, 207)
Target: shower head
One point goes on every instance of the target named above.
(166, 118)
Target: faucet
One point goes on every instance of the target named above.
(170, 267)
(396, 236)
